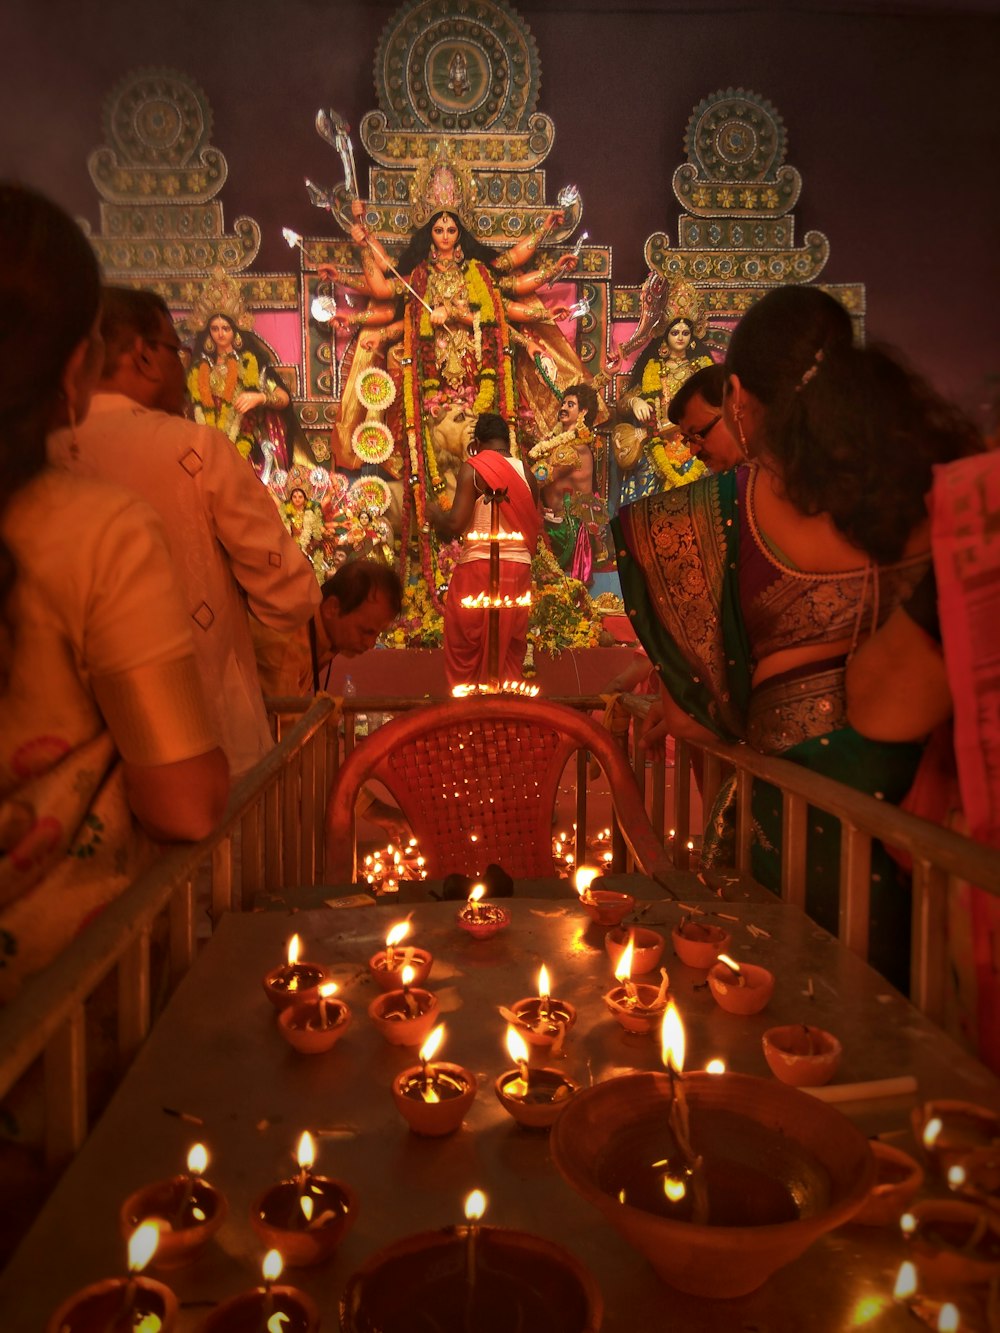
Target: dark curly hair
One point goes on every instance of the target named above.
(419, 245)
(49, 297)
(853, 432)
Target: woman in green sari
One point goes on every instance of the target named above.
(751, 589)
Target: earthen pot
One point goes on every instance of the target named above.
(982, 1175)
(605, 907)
(306, 976)
(803, 1056)
(489, 921)
(643, 1017)
(277, 1217)
(940, 1245)
(781, 1169)
(391, 978)
(175, 1205)
(539, 1108)
(897, 1179)
(299, 1024)
(699, 945)
(96, 1308)
(748, 998)
(520, 1279)
(541, 1035)
(966, 1128)
(456, 1088)
(648, 946)
(389, 1014)
(248, 1311)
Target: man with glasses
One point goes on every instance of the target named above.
(696, 408)
(229, 547)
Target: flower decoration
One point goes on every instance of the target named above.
(372, 441)
(376, 391)
(371, 494)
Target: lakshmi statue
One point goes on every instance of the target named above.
(303, 518)
(458, 323)
(234, 386)
(650, 451)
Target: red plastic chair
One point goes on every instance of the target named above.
(488, 767)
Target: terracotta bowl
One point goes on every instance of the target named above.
(803, 1056)
(939, 1245)
(169, 1203)
(538, 1110)
(490, 921)
(699, 946)
(644, 1017)
(606, 907)
(967, 1128)
(747, 999)
(96, 1308)
(247, 1312)
(781, 1170)
(277, 1219)
(299, 1025)
(308, 977)
(648, 948)
(388, 1014)
(897, 1178)
(455, 1086)
(387, 978)
(520, 1279)
(541, 1035)
(982, 1174)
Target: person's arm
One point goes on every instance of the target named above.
(667, 718)
(451, 523)
(182, 801)
(266, 562)
(897, 683)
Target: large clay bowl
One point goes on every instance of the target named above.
(803, 1056)
(98, 1306)
(520, 1279)
(764, 1144)
(897, 1179)
(182, 1237)
(648, 946)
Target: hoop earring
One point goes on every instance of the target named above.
(209, 345)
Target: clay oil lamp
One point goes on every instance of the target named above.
(480, 919)
(404, 1017)
(133, 1304)
(387, 965)
(305, 1217)
(953, 1244)
(647, 948)
(542, 1021)
(433, 1098)
(950, 1131)
(472, 1278)
(718, 1180)
(800, 1055)
(978, 1176)
(313, 1026)
(636, 1006)
(533, 1097)
(944, 1318)
(294, 981)
(187, 1210)
(897, 1178)
(605, 907)
(697, 944)
(266, 1309)
(740, 988)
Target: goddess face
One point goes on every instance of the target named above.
(299, 499)
(678, 337)
(444, 234)
(222, 334)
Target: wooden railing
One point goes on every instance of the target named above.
(271, 838)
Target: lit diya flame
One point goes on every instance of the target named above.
(271, 1267)
(715, 1067)
(475, 1206)
(623, 972)
(734, 967)
(197, 1159)
(407, 975)
(306, 1204)
(948, 1318)
(582, 880)
(932, 1131)
(278, 1322)
(544, 990)
(395, 936)
(517, 1049)
(427, 1053)
(907, 1224)
(142, 1246)
(294, 949)
(305, 1153)
(956, 1176)
(674, 1188)
(672, 1040)
(475, 894)
(906, 1282)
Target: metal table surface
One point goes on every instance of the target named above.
(216, 1052)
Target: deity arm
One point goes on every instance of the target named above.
(331, 273)
(377, 342)
(376, 315)
(519, 255)
(524, 284)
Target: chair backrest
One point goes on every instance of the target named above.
(477, 780)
